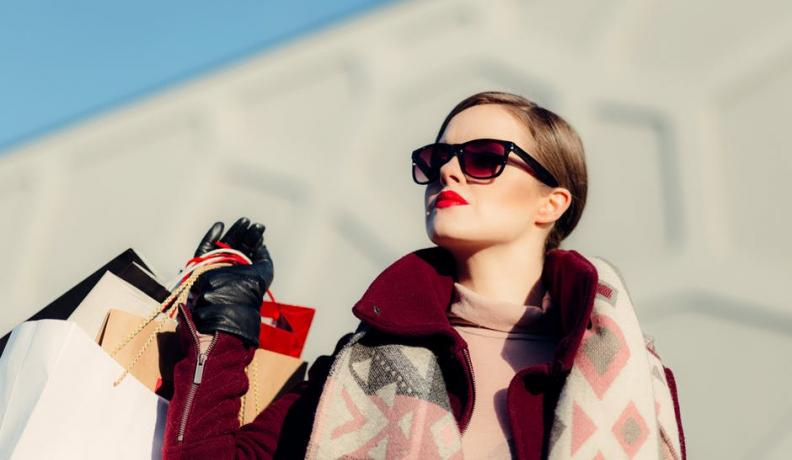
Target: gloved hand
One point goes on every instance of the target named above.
(228, 299)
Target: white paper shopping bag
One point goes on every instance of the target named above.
(57, 399)
(111, 292)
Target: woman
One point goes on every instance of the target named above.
(470, 348)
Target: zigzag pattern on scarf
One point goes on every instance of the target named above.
(384, 401)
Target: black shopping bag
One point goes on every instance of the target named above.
(128, 266)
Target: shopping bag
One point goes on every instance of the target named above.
(152, 350)
(284, 327)
(57, 399)
(149, 354)
(110, 292)
(269, 375)
(128, 266)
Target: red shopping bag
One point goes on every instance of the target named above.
(284, 327)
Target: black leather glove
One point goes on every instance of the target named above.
(228, 299)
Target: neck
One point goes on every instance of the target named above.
(510, 272)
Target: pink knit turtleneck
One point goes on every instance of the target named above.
(503, 338)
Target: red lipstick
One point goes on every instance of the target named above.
(448, 198)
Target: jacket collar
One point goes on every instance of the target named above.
(412, 295)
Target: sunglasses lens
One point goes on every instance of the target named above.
(427, 162)
(483, 159)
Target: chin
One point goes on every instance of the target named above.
(452, 239)
(456, 237)
(450, 228)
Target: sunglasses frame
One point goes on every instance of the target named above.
(540, 171)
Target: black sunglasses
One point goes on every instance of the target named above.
(479, 159)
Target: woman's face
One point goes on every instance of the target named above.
(501, 210)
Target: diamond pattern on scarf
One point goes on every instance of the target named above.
(582, 428)
(630, 430)
(626, 384)
(605, 353)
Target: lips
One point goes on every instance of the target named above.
(448, 198)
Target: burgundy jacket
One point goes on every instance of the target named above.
(406, 303)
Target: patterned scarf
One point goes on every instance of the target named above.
(616, 401)
(390, 401)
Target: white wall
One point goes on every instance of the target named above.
(683, 108)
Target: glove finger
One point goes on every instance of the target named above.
(252, 239)
(208, 241)
(234, 234)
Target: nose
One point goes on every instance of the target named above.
(451, 171)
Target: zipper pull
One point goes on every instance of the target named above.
(199, 368)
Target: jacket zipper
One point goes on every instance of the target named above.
(197, 376)
(466, 352)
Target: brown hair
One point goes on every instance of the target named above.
(559, 149)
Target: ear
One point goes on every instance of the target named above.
(554, 205)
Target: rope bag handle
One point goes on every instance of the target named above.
(167, 308)
(187, 277)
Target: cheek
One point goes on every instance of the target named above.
(509, 205)
(510, 199)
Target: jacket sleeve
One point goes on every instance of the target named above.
(202, 419)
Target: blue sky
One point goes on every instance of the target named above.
(63, 61)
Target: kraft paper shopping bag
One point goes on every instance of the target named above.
(151, 353)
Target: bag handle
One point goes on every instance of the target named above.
(169, 305)
(252, 372)
(194, 268)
